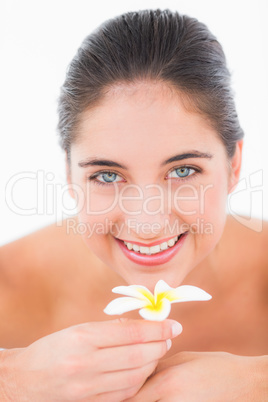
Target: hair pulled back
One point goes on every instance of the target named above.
(152, 45)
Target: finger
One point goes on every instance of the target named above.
(115, 396)
(130, 356)
(126, 332)
(119, 380)
(150, 392)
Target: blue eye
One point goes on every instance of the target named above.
(108, 178)
(182, 172)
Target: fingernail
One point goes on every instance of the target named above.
(176, 328)
(169, 344)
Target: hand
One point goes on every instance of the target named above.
(99, 361)
(205, 377)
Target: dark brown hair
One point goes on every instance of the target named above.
(153, 45)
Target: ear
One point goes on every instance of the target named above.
(235, 167)
(68, 175)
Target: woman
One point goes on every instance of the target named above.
(153, 148)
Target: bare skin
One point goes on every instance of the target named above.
(54, 284)
(50, 281)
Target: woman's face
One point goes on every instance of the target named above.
(144, 170)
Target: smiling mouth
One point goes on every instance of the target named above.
(157, 249)
(152, 256)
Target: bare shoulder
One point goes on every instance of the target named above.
(42, 249)
(32, 270)
(247, 232)
(247, 243)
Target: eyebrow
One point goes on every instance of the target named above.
(179, 157)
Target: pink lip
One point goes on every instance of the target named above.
(155, 243)
(155, 259)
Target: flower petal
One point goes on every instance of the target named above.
(186, 293)
(160, 290)
(161, 287)
(156, 314)
(123, 304)
(138, 291)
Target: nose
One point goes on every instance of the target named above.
(148, 217)
(147, 228)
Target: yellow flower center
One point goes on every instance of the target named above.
(156, 301)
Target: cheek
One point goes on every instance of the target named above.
(97, 215)
(200, 200)
(211, 214)
(94, 200)
(215, 198)
(202, 206)
(94, 229)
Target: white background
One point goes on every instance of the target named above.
(39, 38)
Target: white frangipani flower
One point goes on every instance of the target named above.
(154, 307)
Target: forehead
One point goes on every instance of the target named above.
(144, 119)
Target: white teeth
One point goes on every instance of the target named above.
(171, 242)
(154, 249)
(145, 250)
(164, 246)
